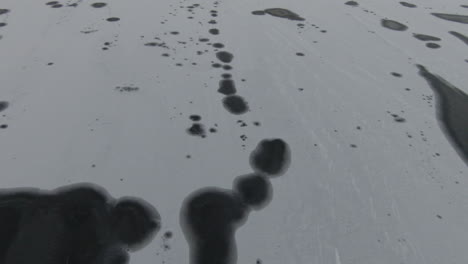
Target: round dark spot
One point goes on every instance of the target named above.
(254, 190)
(214, 31)
(224, 56)
(235, 104)
(196, 130)
(98, 5)
(168, 235)
(113, 19)
(432, 45)
(270, 157)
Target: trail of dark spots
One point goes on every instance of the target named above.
(452, 106)
(300, 54)
(218, 45)
(393, 25)
(3, 126)
(270, 157)
(451, 17)
(352, 3)
(52, 3)
(254, 190)
(406, 4)
(197, 129)
(3, 105)
(258, 12)
(224, 56)
(460, 36)
(4, 11)
(195, 118)
(432, 45)
(2, 24)
(243, 137)
(283, 13)
(424, 37)
(396, 74)
(227, 87)
(235, 104)
(113, 19)
(214, 31)
(98, 5)
(78, 223)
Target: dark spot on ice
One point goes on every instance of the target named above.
(57, 6)
(4, 11)
(213, 130)
(406, 4)
(393, 25)
(432, 45)
(224, 56)
(258, 12)
(214, 31)
(226, 76)
(254, 190)
(353, 145)
(212, 22)
(203, 40)
(452, 106)
(3, 105)
(396, 74)
(197, 129)
(50, 63)
(3, 126)
(167, 235)
(174, 32)
(79, 223)
(352, 3)
(127, 88)
(2, 24)
(256, 123)
(424, 37)
(113, 19)
(98, 5)
(227, 87)
(460, 36)
(227, 67)
(218, 45)
(451, 17)
(270, 157)
(283, 13)
(300, 54)
(52, 3)
(195, 118)
(235, 104)
(216, 65)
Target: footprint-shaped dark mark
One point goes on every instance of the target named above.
(227, 87)
(113, 19)
(451, 17)
(432, 45)
(424, 37)
(393, 25)
(406, 4)
(98, 5)
(214, 31)
(3, 105)
(224, 56)
(460, 36)
(452, 109)
(73, 224)
(235, 104)
(271, 157)
(4, 11)
(210, 217)
(352, 3)
(283, 13)
(197, 129)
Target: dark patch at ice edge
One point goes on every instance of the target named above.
(452, 109)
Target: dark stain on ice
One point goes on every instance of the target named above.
(393, 25)
(460, 36)
(3, 105)
(258, 12)
(283, 13)
(227, 87)
(52, 3)
(214, 31)
(216, 65)
(226, 76)
(352, 3)
(254, 190)
(224, 56)
(113, 19)
(57, 6)
(300, 54)
(195, 118)
(271, 157)
(98, 5)
(452, 106)
(4, 11)
(235, 104)
(424, 37)
(406, 4)
(79, 223)
(197, 129)
(3, 126)
(452, 17)
(432, 45)
(218, 45)
(396, 74)
(127, 88)
(2, 24)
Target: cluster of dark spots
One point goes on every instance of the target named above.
(452, 106)
(451, 17)
(127, 88)
(98, 5)
(258, 12)
(197, 129)
(243, 137)
(2, 24)
(242, 123)
(432, 45)
(424, 37)
(397, 118)
(460, 36)
(235, 104)
(406, 4)
(3, 105)
(224, 56)
(271, 157)
(3, 126)
(227, 87)
(214, 31)
(195, 118)
(352, 3)
(157, 44)
(396, 74)
(113, 19)
(283, 13)
(393, 25)
(79, 223)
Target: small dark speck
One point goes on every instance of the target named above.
(188, 157)
(353, 146)
(256, 123)
(358, 128)
(113, 19)
(301, 89)
(323, 31)
(300, 54)
(396, 74)
(439, 216)
(94, 165)
(168, 235)
(213, 130)
(50, 63)
(399, 119)
(259, 261)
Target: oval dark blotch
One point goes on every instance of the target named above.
(98, 5)
(352, 3)
(270, 157)
(396, 74)
(406, 4)
(227, 87)
(283, 13)
(4, 11)
(255, 190)
(258, 12)
(393, 25)
(218, 45)
(214, 31)
(113, 19)
(432, 45)
(424, 37)
(195, 118)
(235, 104)
(224, 56)
(2, 24)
